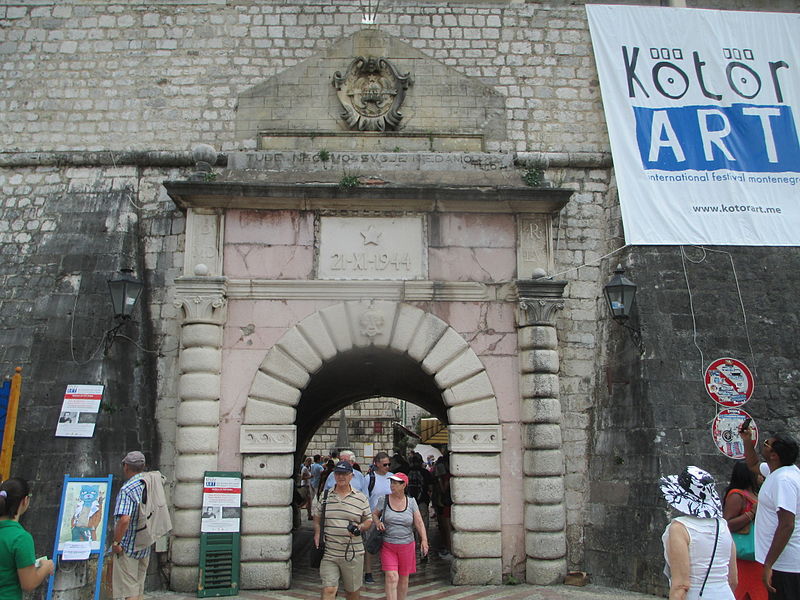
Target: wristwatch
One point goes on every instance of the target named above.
(117, 543)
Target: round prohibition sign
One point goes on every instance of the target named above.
(729, 382)
(725, 431)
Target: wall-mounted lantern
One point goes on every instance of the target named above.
(620, 293)
(125, 290)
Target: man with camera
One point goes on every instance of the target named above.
(347, 516)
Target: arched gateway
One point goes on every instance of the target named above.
(300, 299)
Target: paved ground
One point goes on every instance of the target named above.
(429, 583)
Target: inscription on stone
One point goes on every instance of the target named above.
(535, 245)
(371, 248)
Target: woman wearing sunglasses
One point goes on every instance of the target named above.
(398, 554)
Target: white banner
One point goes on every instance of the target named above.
(700, 107)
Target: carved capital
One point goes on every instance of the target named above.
(475, 438)
(203, 299)
(539, 300)
(267, 439)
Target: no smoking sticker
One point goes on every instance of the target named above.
(729, 382)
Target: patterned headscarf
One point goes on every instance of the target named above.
(693, 493)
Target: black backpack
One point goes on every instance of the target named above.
(416, 484)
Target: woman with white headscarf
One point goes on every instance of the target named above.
(698, 548)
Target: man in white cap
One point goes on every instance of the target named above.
(130, 565)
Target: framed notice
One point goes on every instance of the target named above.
(222, 502)
(79, 410)
(82, 524)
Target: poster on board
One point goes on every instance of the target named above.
(725, 431)
(222, 504)
(701, 108)
(79, 410)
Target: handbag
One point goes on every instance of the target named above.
(374, 538)
(317, 552)
(745, 544)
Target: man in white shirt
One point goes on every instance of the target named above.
(377, 486)
(777, 533)
(358, 482)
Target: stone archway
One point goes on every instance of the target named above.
(269, 434)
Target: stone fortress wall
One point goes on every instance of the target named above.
(101, 103)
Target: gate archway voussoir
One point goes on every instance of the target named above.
(449, 346)
(430, 330)
(407, 322)
(371, 322)
(265, 412)
(267, 387)
(282, 366)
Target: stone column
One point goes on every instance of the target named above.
(545, 510)
(197, 438)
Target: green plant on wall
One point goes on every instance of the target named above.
(209, 176)
(324, 155)
(348, 182)
(533, 177)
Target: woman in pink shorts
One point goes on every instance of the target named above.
(398, 553)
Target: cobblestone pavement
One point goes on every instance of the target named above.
(431, 582)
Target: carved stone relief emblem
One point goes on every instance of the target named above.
(371, 92)
(371, 322)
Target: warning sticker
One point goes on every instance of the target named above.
(729, 382)
(725, 431)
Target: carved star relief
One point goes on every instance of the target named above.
(371, 236)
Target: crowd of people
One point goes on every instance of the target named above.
(747, 548)
(393, 498)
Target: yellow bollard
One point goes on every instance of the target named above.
(11, 425)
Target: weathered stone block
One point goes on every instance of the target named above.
(186, 523)
(449, 346)
(408, 319)
(474, 465)
(427, 334)
(184, 579)
(266, 575)
(476, 387)
(468, 490)
(539, 385)
(188, 495)
(544, 490)
(266, 519)
(201, 334)
(197, 440)
(372, 322)
(545, 572)
(265, 412)
(338, 325)
(267, 492)
(199, 386)
(537, 336)
(464, 366)
(198, 413)
(539, 463)
(313, 328)
(266, 387)
(482, 411)
(543, 436)
(477, 571)
(200, 359)
(296, 346)
(539, 361)
(267, 466)
(266, 548)
(474, 517)
(546, 545)
(477, 545)
(279, 365)
(545, 517)
(186, 551)
(540, 410)
(191, 467)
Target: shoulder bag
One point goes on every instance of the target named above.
(315, 556)
(374, 538)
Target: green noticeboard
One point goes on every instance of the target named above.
(220, 537)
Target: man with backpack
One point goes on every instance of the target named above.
(377, 484)
(420, 482)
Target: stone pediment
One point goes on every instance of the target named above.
(371, 92)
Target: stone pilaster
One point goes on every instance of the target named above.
(203, 303)
(545, 510)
